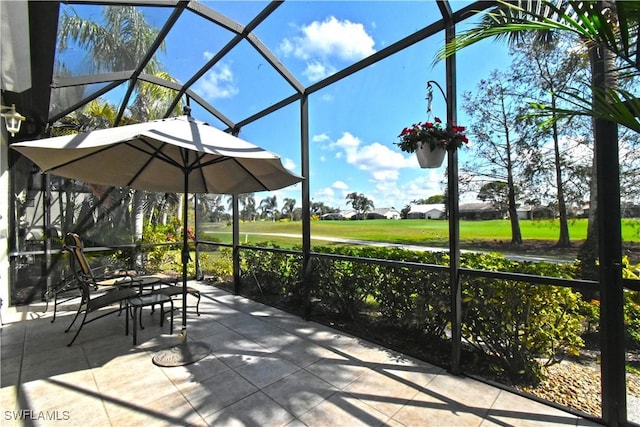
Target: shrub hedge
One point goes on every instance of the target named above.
(517, 326)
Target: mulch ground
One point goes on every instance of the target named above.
(546, 248)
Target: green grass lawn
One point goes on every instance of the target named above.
(418, 232)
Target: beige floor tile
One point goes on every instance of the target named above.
(141, 388)
(427, 409)
(237, 350)
(43, 364)
(303, 353)
(9, 397)
(196, 372)
(73, 397)
(275, 339)
(266, 370)
(410, 371)
(514, 409)
(171, 409)
(299, 392)
(341, 409)
(10, 371)
(382, 392)
(465, 391)
(337, 371)
(217, 393)
(254, 410)
(202, 327)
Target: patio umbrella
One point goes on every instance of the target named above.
(174, 155)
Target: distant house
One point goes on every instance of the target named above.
(347, 214)
(331, 216)
(525, 212)
(478, 211)
(380, 213)
(430, 211)
(383, 213)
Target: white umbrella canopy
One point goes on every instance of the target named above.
(171, 155)
(159, 155)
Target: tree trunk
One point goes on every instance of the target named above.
(69, 203)
(516, 234)
(588, 254)
(138, 215)
(564, 241)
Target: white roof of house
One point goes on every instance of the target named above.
(384, 211)
(427, 208)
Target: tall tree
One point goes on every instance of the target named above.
(360, 204)
(269, 207)
(247, 206)
(319, 208)
(499, 138)
(119, 42)
(497, 194)
(546, 69)
(607, 28)
(610, 25)
(288, 207)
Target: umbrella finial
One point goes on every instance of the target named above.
(186, 110)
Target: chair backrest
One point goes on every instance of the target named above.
(79, 263)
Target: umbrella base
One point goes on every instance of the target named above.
(182, 354)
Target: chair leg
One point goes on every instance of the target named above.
(55, 306)
(135, 325)
(198, 303)
(171, 324)
(139, 318)
(79, 328)
(75, 318)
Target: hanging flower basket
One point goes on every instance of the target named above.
(430, 158)
(430, 141)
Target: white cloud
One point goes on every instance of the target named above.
(382, 164)
(325, 194)
(423, 187)
(316, 71)
(217, 83)
(289, 164)
(344, 39)
(321, 138)
(339, 185)
(321, 42)
(379, 160)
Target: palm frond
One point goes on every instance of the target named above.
(617, 29)
(616, 105)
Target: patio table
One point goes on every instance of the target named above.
(138, 302)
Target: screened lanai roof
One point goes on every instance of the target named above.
(199, 44)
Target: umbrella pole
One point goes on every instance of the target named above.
(187, 351)
(185, 253)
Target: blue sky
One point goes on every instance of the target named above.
(353, 123)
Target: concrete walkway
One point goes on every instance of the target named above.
(267, 368)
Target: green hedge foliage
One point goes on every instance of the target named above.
(517, 326)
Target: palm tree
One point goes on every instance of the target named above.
(288, 207)
(613, 27)
(247, 206)
(269, 207)
(360, 203)
(117, 44)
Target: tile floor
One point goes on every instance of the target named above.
(266, 368)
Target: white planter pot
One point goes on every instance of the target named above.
(428, 158)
